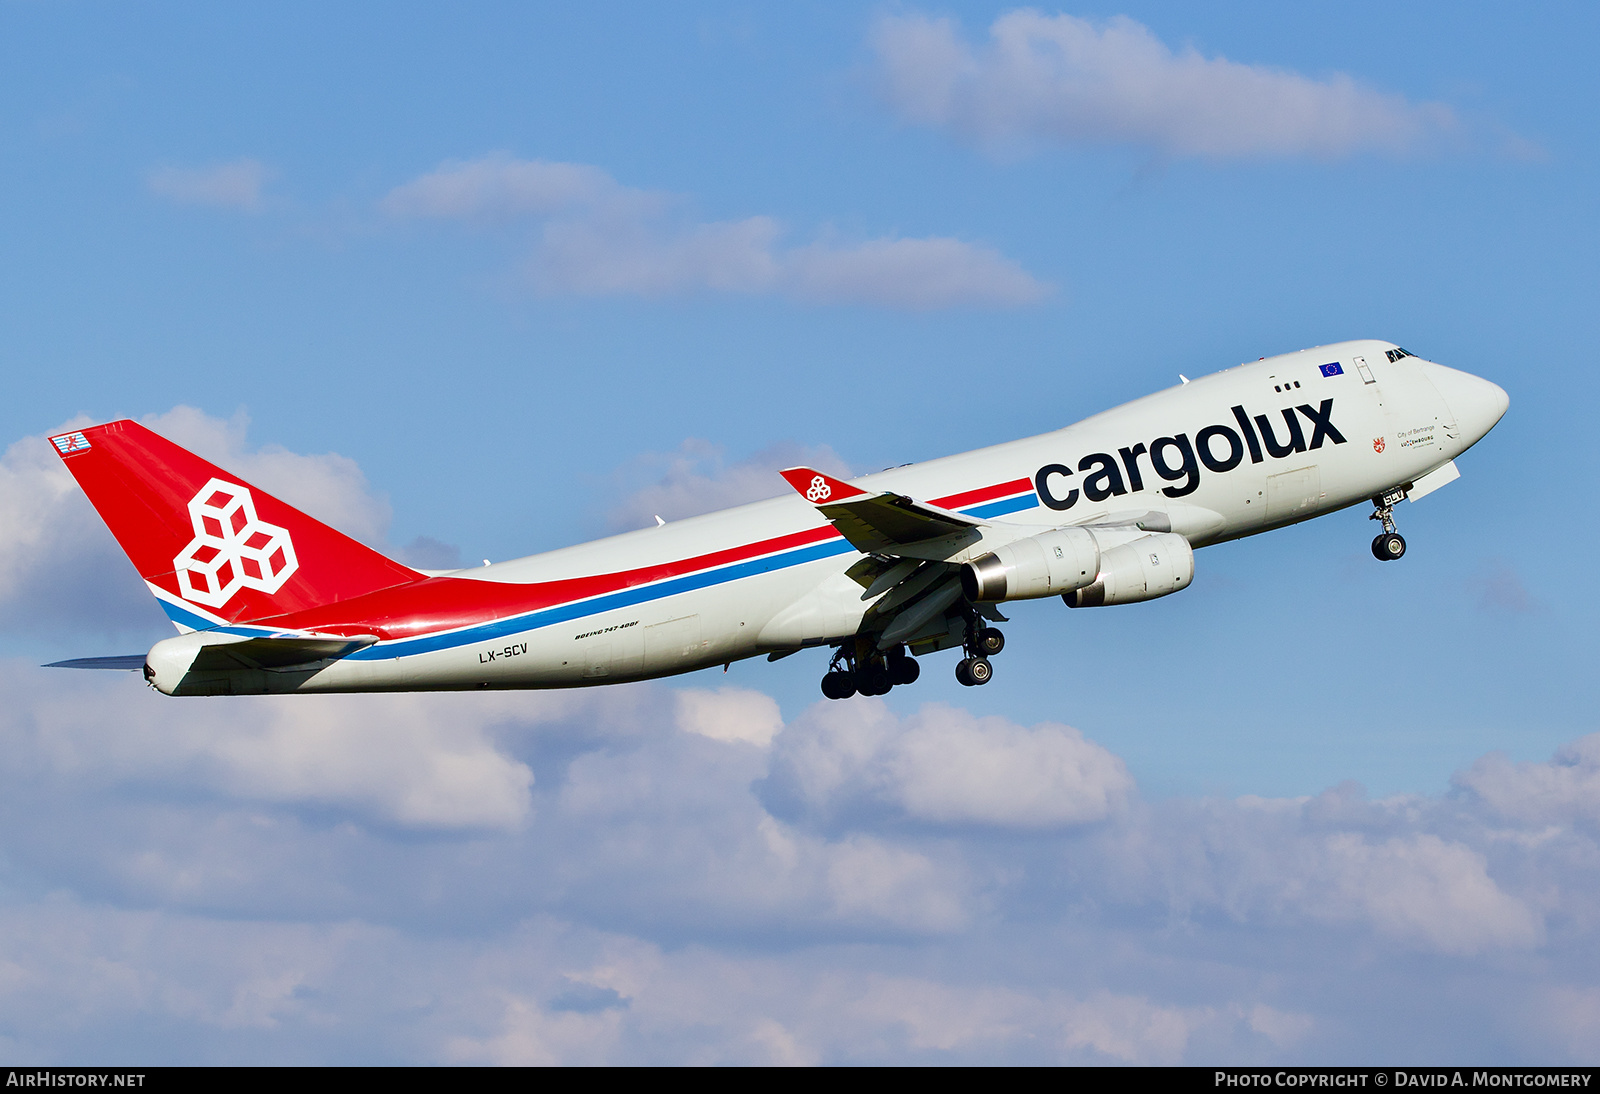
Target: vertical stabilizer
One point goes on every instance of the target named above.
(213, 548)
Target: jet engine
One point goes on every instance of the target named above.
(1149, 567)
(1050, 564)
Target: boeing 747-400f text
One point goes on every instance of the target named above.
(883, 570)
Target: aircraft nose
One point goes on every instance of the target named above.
(1476, 403)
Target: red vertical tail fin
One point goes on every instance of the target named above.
(212, 548)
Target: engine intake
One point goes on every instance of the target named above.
(1149, 567)
(1050, 564)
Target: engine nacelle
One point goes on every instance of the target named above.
(1149, 567)
(1050, 564)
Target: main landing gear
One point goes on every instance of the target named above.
(1388, 545)
(982, 643)
(858, 667)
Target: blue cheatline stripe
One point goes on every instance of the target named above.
(626, 598)
(189, 619)
(1000, 508)
(488, 632)
(186, 618)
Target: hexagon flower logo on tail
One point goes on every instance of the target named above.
(232, 548)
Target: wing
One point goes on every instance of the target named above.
(907, 544)
(882, 523)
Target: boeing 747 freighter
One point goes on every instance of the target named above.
(882, 571)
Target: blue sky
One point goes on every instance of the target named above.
(487, 282)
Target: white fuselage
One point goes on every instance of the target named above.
(1390, 422)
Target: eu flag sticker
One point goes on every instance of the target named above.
(1332, 370)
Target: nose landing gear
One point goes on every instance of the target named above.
(1388, 545)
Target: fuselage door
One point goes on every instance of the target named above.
(1294, 495)
(1363, 371)
(670, 646)
(596, 657)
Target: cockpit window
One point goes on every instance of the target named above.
(1396, 354)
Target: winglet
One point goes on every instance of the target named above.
(817, 488)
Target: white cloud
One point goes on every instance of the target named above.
(871, 880)
(75, 962)
(1565, 790)
(498, 187)
(954, 768)
(535, 1037)
(1569, 1017)
(913, 274)
(59, 565)
(729, 714)
(1335, 859)
(598, 237)
(617, 876)
(945, 766)
(415, 761)
(237, 184)
(1418, 888)
(675, 822)
(592, 257)
(1284, 1028)
(1063, 79)
(1101, 1027)
(698, 478)
(254, 990)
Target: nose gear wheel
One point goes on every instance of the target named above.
(1389, 545)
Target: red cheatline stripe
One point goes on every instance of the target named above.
(445, 603)
(722, 558)
(802, 539)
(627, 578)
(987, 493)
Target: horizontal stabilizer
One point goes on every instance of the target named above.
(208, 662)
(128, 662)
(275, 652)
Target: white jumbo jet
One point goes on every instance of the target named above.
(882, 570)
